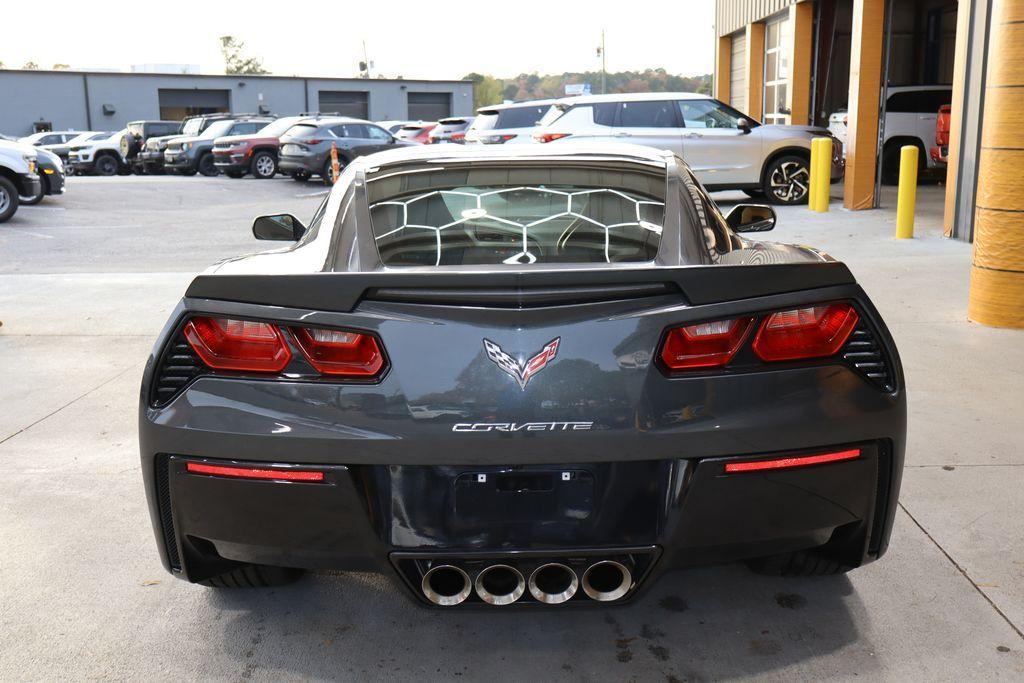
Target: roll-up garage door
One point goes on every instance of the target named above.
(738, 73)
(429, 106)
(347, 103)
(177, 104)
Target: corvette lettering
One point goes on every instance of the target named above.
(522, 426)
(522, 372)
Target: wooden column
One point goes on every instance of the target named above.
(997, 270)
(723, 68)
(755, 70)
(801, 21)
(963, 27)
(866, 45)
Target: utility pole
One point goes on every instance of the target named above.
(604, 70)
(366, 63)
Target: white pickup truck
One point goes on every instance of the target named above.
(910, 114)
(18, 176)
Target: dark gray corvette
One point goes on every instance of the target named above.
(521, 375)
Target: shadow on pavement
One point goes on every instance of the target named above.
(692, 625)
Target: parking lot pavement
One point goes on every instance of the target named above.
(87, 280)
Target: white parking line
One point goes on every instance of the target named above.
(44, 208)
(30, 232)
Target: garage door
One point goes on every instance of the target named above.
(738, 73)
(346, 102)
(177, 104)
(429, 106)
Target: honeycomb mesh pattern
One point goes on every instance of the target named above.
(477, 211)
(163, 498)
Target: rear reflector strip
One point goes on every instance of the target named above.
(799, 461)
(254, 473)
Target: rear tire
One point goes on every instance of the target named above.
(254, 576)
(799, 563)
(106, 165)
(787, 180)
(891, 163)
(8, 199)
(235, 174)
(328, 174)
(263, 165)
(205, 165)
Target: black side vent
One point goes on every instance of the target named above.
(521, 297)
(178, 366)
(881, 496)
(866, 356)
(163, 500)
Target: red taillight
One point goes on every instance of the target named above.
(311, 141)
(704, 345)
(812, 332)
(278, 473)
(458, 138)
(340, 353)
(549, 137)
(230, 344)
(796, 461)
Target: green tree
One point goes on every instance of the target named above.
(235, 62)
(32, 66)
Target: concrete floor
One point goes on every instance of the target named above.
(87, 280)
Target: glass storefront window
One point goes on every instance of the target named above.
(776, 70)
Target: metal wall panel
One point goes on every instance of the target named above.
(738, 72)
(732, 15)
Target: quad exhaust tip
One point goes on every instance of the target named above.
(446, 585)
(500, 584)
(553, 583)
(607, 580)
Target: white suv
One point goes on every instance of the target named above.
(507, 124)
(726, 149)
(102, 155)
(910, 115)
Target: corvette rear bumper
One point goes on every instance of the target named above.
(381, 518)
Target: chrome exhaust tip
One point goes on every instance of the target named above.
(607, 580)
(553, 583)
(500, 584)
(446, 585)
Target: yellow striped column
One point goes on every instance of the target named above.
(866, 43)
(997, 270)
(723, 68)
(755, 70)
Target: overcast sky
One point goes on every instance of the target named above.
(445, 39)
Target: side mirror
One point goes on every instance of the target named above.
(283, 227)
(743, 125)
(751, 218)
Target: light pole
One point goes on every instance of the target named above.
(604, 71)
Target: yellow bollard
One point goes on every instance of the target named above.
(823, 183)
(812, 202)
(907, 195)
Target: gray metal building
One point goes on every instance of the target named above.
(81, 100)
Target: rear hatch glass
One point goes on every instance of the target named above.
(494, 215)
(521, 117)
(299, 130)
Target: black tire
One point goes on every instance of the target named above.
(254, 576)
(787, 180)
(205, 165)
(106, 164)
(263, 165)
(327, 175)
(129, 145)
(38, 197)
(235, 174)
(891, 163)
(8, 199)
(799, 563)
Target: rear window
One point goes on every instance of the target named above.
(497, 215)
(300, 129)
(918, 101)
(135, 129)
(521, 117)
(485, 120)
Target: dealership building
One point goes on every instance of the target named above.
(97, 100)
(799, 61)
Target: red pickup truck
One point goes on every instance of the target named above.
(940, 153)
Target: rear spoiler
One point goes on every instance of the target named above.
(342, 292)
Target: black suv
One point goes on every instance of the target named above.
(138, 132)
(151, 157)
(187, 155)
(306, 147)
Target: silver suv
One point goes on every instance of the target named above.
(726, 149)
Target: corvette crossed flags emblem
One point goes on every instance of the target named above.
(522, 372)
